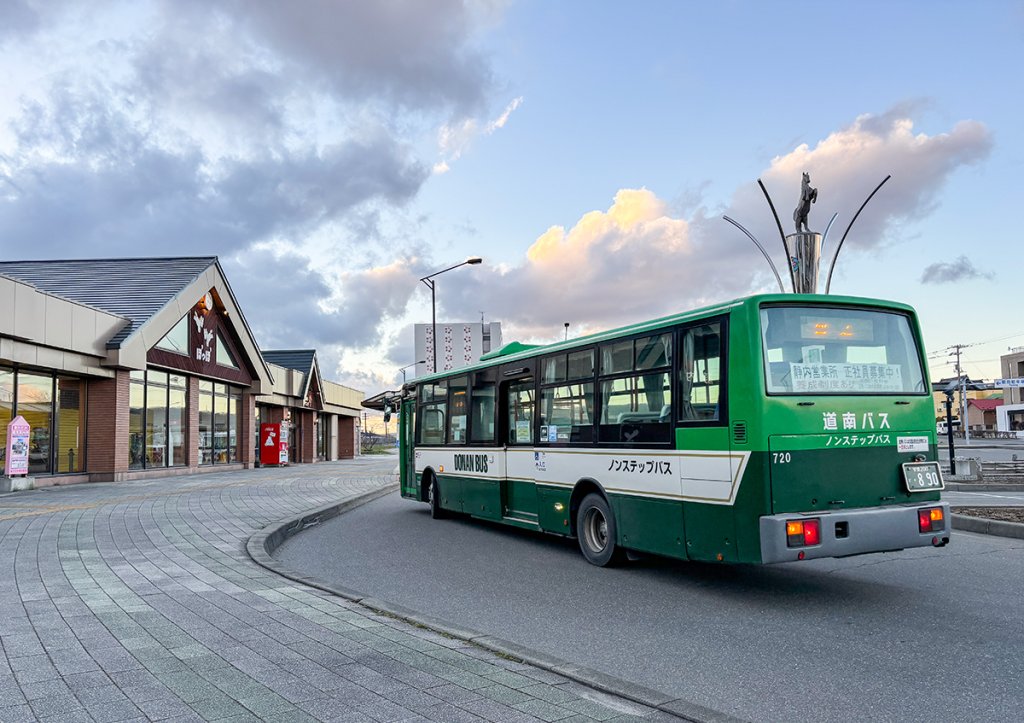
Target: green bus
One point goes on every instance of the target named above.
(772, 428)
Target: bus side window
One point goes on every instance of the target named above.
(636, 401)
(432, 431)
(458, 411)
(482, 411)
(520, 412)
(700, 373)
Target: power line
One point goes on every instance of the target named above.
(976, 343)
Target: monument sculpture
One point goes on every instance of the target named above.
(803, 248)
(808, 196)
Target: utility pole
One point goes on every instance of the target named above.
(963, 391)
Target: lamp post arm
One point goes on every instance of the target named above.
(438, 273)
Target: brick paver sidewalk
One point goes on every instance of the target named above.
(137, 601)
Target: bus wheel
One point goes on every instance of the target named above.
(595, 527)
(434, 498)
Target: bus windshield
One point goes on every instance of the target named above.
(837, 350)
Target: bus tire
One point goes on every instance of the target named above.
(595, 530)
(434, 498)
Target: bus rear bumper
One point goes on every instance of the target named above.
(854, 532)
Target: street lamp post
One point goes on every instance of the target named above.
(421, 361)
(429, 282)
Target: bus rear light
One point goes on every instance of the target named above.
(801, 533)
(812, 532)
(930, 519)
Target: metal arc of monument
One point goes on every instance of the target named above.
(757, 243)
(782, 234)
(824, 236)
(828, 282)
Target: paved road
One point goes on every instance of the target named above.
(984, 499)
(137, 601)
(914, 635)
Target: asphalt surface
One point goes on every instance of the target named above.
(920, 634)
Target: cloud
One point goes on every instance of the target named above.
(88, 181)
(636, 259)
(961, 269)
(311, 307)
(17, 17)
(411, 53)
(212, 126)
(455, 139)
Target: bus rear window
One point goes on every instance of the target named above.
(833, 350)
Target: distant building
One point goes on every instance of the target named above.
(141, 368)
(460, 344)
(1010, 417)
(976, 391)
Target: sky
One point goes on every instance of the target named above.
(332, 152)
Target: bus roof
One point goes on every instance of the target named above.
(514, 351)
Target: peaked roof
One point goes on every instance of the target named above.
(133, 288)
(985, 405)
(300, 360)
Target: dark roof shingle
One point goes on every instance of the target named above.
(133, 288)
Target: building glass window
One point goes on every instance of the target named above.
(6, 410)
(136, 421)
(235, 402)
(321, 436)
(220, 424)
(205, 422)
(54, 408)
(177, 419)
(70, 424)
(219, 409)
(177, 338)
(157, 419)
(35, 404)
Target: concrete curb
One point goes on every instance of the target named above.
(985, 526)
(261, 546)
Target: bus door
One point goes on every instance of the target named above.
(516, 410)
(708, 470)
(406, 454)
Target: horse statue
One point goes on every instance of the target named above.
(808, 196)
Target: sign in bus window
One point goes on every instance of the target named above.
(854, 351)
(520, 412)
(459, 412)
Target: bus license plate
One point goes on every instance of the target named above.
(922, 476)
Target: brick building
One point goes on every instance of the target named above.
(139, 368)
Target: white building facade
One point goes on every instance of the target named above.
(1010, 416)
(459, 344)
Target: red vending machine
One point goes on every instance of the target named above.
(273, 445)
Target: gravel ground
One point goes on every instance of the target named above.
(1007, 514)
